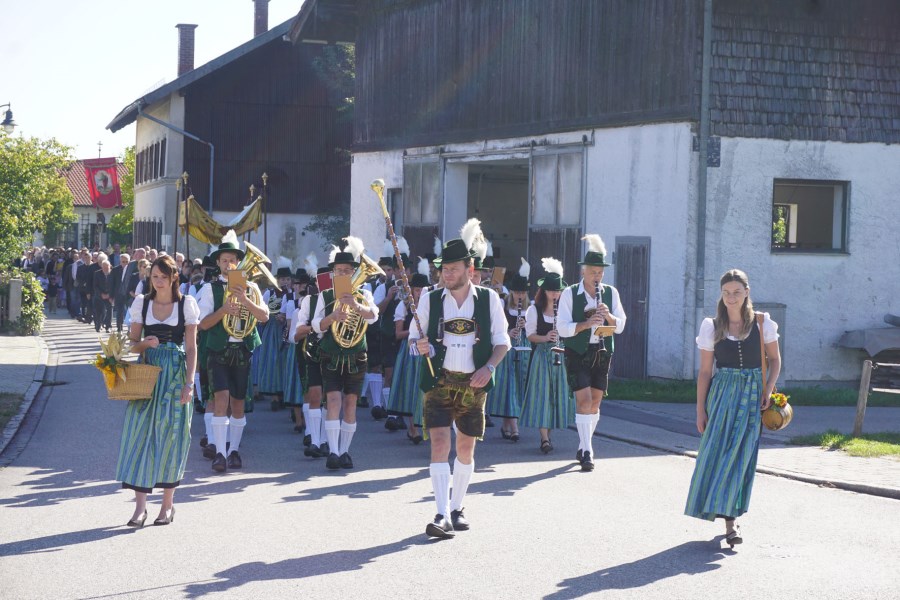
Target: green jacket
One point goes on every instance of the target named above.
(579, 342)
(328, 344)
(216, 336)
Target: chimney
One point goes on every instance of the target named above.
(185, 48)
(260, 17)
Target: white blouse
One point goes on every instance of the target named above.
(191, 312)
(706, 338)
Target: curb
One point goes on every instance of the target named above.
(860, 488)
(12, 427)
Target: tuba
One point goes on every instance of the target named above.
(350, 332)
(241, 325)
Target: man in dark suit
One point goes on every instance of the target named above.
(84, 280)
(119, 280)
(70, 284)
(100, 294)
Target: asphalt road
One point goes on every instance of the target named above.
(284, 527)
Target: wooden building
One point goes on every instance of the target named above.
(693, 135)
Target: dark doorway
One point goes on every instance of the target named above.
(498, 196)
(633, 283)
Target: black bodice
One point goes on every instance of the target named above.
(543, 327)
(739, 354)
(165, 333)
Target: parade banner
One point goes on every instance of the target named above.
(103, 182)
(204, 228)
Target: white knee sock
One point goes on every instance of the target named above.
(347, 431)
(333, 435)
(314, 425)
(584, 425)
(207, 422)
(386, 396)
(305, 410)
(440, 482)
(322, 416)
(595, 418)
(461, 476)
(376, 383)
(219, 428)
(236, 430)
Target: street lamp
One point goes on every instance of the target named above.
(8, 124)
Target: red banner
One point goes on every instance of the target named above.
(103, 182)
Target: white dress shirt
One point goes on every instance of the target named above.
(301, 316)
(706, 340)
(566, 326)
(368, 303)
(459, 355)
(207, 302)
(531, 319)
(289, 309)
(191, 312)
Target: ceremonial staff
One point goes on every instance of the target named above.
(378, 187)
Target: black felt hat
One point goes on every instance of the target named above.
(209, 262)
(284, 272)
(302, 276)
(552, 282)
(419, 281)
(596, 252)
(518, 284)
(386, 261)
(395, 265)
(453, 251)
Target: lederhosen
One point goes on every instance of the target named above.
(587, 364)
(228, 362)
(343, 369)
(448, 396)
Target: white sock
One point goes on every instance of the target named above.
(305, 410)
(440, 482)
(333, 435)
(385, 395)
(347, 431)
(595, 418)
(461, 476)
(219, 428)
(584, 425)
(236, 430)
(322, 416)
(207, 422)
(314, 425)
(376, 383)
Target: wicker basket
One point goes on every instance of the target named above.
(139, 385)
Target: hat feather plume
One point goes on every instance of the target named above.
(423, 268)
(470, 232)
(311, 263)
(283, 262)
(480, 247)
(438, 246)
(490, 248)
(355, 246)
(595, 243)
(387, 249)
(552, 265)
(230, 237)
(525, 269)
(403, 245)
(333, 254)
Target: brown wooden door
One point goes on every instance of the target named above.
(563, 243)
(633, 283)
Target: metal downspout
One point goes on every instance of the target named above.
(700, 276)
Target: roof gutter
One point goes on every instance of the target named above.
(212, 149)
(700, 275)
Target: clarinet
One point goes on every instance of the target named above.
(518, 323)
(556, 349)
(598, 300)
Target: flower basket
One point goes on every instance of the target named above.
(779, 414)
(138, 385)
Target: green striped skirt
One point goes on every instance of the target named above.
(157, 432)
(726, 461)
(293, 386)
(269, 375)
(504, 399)
(548, 401)
(406, 397)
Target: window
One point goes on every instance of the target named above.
(150, 163)
(556, 193)
(809, 216)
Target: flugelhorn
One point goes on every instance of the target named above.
(241, 325)
(350, 332)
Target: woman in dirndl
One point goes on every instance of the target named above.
(292, 355)
(157, 432)
(549, 403)
(730, 405)
(504, 399)
(405, 398)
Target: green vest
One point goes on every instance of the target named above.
(328, 345)
(483, 347)
(579, 343)
(216, 336)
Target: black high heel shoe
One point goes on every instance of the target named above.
(415, 439)
(167, 519)
(138, 524)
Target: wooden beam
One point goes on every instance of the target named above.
(863, 397)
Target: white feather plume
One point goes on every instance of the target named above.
(490, 248)
(595, 243)
(470, 232)
(403, 245)
(355, 246)
(552, 265)
(525, 269)
(423, 267)
(387, 249)
(311, 264)
(333, 254)
(480, 247)
(213, 248)
(229, 237)
(283, 262)
(438, 246)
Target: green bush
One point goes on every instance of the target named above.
(32, 319)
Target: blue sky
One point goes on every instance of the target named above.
(52, 50)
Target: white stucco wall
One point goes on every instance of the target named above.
(156, 199)
(825, 294)
(366, 217)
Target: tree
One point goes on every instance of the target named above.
(122, 222)
(33, 191)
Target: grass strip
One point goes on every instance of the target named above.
(9, 407)
(868, 445)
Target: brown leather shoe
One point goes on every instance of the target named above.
(218, 463)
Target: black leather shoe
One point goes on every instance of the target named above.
(346, 461)
(204, 442)
(440, 528)
(209, 451)
(312, 450)
(234, 460)
(324, 449)
(218, 463)
(333, 462)
(587, 463)
(401, 423)
(378, 413)
(362, 402)
(488, 422)
(307, 440)
(579, 454)
(392, 424)
(458, 519)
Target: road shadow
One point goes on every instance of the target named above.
(508, 486)
(357, 489)
(690, 558)
(54, 486)
(58, 541)
(302, 567)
